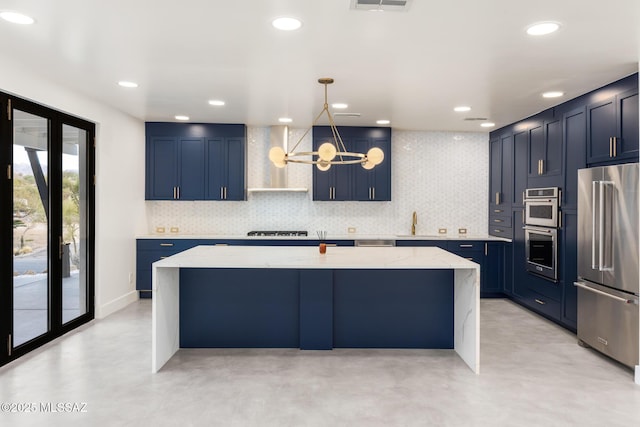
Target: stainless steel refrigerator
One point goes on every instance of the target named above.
(608, 284)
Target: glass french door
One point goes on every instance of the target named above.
(48, 288)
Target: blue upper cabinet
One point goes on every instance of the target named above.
(226, 170)
(545, 154)
(353, 182)
(612, 129)
(195, 161)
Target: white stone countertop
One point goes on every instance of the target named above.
(312, 236)
(308, 257)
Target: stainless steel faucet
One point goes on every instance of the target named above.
(414, 221)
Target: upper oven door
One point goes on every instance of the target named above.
(541, 212)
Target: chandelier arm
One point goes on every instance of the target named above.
(336, 136)
(307, 131)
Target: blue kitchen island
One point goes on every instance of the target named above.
(295, 297)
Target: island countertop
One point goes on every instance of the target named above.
(301, 257)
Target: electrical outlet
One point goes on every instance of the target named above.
(442, 231)
(351, 230)
(159, 229)
(174, 229)
(130, 278)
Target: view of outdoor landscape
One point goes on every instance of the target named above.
(31, 279)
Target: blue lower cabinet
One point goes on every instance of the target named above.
(232, 308)
(316, 309)
(393, 309)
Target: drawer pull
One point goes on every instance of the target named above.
(498, 220)
(540, 301)
(465, 246)
(497, 231)
(498, 210)
(166, 244)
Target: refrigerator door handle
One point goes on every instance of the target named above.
(594, 266)
(601, 226)
(604, 265)
(599, 292)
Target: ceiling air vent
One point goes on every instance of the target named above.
(381, 5)
(346, 114)
(475, 119)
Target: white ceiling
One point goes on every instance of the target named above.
(409, 67)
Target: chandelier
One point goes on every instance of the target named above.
(332, 152)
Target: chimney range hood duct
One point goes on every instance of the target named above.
(278, 137)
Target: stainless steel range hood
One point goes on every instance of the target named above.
(278, 137)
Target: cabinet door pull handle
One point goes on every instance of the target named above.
(540, 301)
(610, 147)
(174, 192)
(486, 249)
(615, 146)
(373, 190)
(166, 244)
(178, 192)
(225, 193)
(497, 197)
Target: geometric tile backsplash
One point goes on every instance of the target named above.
(443, 176)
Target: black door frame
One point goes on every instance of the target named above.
(56, 121)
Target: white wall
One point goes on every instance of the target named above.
(443, 176)
(120, 180)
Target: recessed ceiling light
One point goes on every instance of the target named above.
(182, 118)
(125, 83)
(487, 124)
(553, 94)
(542, 28)
(462, 109)
(285, 120)
(339, 105)
(286, 23)
(383, 122)
(17, 18)
(216, 102)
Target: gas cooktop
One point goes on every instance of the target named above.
(277, 233)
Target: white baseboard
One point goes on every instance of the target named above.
(111, 307)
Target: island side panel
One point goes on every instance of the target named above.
(316, 309)
(239, 308)
(165, 326)
(467, 316)
(393, 308)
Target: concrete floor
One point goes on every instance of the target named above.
(532, 374)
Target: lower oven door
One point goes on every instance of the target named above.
(541, 247)
(608, 321)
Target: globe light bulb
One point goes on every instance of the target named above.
(375, 155)
(368, 165)
(277, 155)
(327, 152)
(323, 165)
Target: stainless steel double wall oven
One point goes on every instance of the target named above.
(542, 222)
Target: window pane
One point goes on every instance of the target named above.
(74, 223)
(30, 227)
